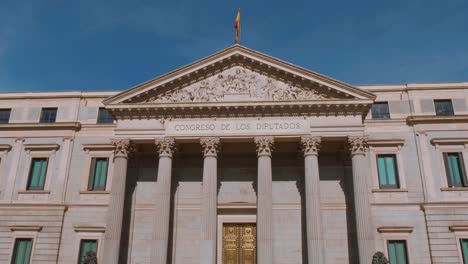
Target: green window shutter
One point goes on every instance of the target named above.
(455, 169)
(388, 172)
(37, 174)
(22, 251)
(85, 247)
(464, 248)
(98, 174)
(397, 252)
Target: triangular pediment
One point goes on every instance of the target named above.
(238, 74)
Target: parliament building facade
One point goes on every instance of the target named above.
(236, 158)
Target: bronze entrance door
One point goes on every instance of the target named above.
(239, 243)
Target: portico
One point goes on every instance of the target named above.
(240, 120)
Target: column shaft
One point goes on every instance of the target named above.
(162, 211)
(116, 203)
(315, 251)
(264, 201)
(362, 209)
(209, 200)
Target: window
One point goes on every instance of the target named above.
(87, 247)
(443, 107)
(48, 115)
(104, 117)
(397, 253)
(37, 174)
(5, 116)
(464, 250)
(22, 251)
(380, 110)
(98, 174)
(455, 170)
(388, 172)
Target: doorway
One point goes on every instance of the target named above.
(239, 243)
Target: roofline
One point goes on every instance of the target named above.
(55, 95)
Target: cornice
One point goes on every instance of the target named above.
(385, 142)
(17, 228)
(36, 147)
(458, 228)
(395, 229)
(89, 229)
(98, 147)
(243, 109)
(433, 119)
(74, 126)
(449, 141)
(5, 147)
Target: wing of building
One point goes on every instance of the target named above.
(236, 158)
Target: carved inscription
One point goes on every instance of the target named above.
(255, 127)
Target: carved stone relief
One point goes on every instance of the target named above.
(237, 81)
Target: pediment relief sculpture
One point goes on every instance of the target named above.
(239, 84)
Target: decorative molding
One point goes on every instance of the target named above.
(5, 148)
(95, 192)
(74, 126)
(19, 228)
(165, 146)
(98, 147)
(310, 145)
(210, 146)
(39, 147)
(358, 145)
(34, 192)
(454, 189)
(449, 141)
(389, 190)
(395, 229)
(123, 148)
(89, 229)
(433, 119)
(458, 228)
(385, 142)
(264, 145)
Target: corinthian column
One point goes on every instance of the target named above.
(264, 200)
(310, 146)
(210, 148)
(116, 202)
(362, 209)
(165, 148)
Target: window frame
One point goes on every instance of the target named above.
(81, 245)
(395, 164)
(9, 115)
(464, 179)
(387, 147)
(28, 185)
(15, 248)
(92, 174)
(400, 233)
(452, 110)
(97, 151)
(105, 120)
(388, 111)
(24, 232)
(449, 145)
(41, 118)
(408, 261)
(88, 233)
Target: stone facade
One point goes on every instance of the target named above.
(236, 137)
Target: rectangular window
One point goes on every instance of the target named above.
(397, 253)
(380, 110)
(98, 174)
(104, 117)
(88, 249)
(388, 171)
(37, 174)
(5, 116)
(455, 169)
(22, 251)
(48, 115)
(443, 107)
(464, 249)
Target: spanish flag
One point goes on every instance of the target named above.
(237, 26)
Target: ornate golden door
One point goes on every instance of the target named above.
(239, 243)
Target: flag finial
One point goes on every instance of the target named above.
(237, 26)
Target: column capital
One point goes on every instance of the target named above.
(311, 145)
(123, 148)
(165, 146)
(358, 145)
(264, 145)
(210, 146)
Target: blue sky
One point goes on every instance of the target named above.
(113, 45)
